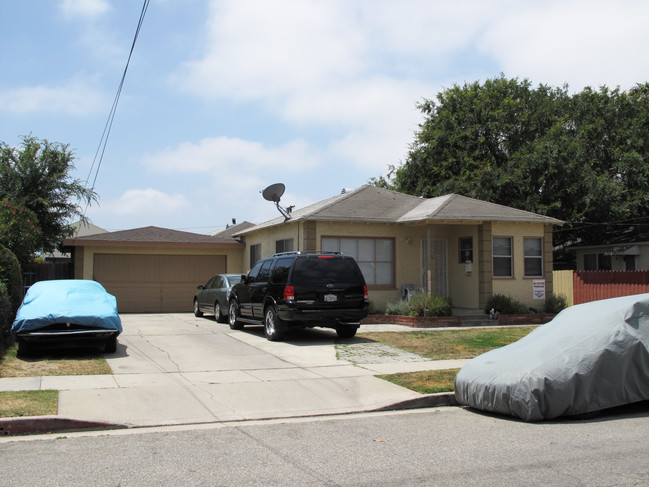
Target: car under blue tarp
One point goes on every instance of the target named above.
(590, 357)
(66, 309)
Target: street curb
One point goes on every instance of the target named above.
(426, 401)
(33, 425)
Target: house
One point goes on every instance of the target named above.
(153, 269)
(80, 229)
(455, 246)
(452, 245)
(623, 256)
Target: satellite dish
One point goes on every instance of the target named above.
(273, 193)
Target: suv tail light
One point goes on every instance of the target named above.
(289, 293)
(365, 295)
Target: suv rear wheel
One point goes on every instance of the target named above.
(273, 325)
(233, 316)
(348, 331)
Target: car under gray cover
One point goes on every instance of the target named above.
(590, 357)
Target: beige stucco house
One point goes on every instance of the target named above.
(459, 247)
(452, 245)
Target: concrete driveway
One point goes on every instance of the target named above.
(179, 369)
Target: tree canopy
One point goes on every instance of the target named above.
(582, 158)
(39, 197)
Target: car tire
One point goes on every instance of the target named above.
(346, 331)
(197, 312)
(111, 345)
(273, 325)
(233, 316)
(218, 314)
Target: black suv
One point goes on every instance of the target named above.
(296, 290)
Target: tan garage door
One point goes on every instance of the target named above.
(155, 283)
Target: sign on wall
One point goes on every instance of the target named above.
(538, 288)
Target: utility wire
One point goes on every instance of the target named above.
(101, 149)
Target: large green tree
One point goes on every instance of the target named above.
(35, 176)
(582, 158)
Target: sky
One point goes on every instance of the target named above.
(223, 98)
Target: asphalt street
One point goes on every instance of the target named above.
(444, 446)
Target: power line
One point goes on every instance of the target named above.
(101, 149)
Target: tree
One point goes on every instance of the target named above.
(19, 230)
(583, 158)
(36, 176)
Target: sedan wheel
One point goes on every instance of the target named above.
(273, 325)
(197, 312)
(218, 314)
(233, 316)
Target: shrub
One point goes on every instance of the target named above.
(421, 304)
(505, 305)
(11, 276)
(554, 303)
(401, 307)
(6, 319)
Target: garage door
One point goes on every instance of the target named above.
(155, 283)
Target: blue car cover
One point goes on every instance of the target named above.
(74, 301)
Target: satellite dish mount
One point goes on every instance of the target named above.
(274, 193)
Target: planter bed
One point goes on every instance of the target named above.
(413, 321)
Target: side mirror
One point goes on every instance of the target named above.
(244, 278)
(200, 288)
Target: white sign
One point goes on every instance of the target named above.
(538, 288)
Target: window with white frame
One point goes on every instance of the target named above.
(533, 256)
(375, 257)
(502, 257)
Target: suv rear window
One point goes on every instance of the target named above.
(324, 269)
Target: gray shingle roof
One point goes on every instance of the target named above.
(373, 204)
(152, 236)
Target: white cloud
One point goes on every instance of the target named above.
(76, 98)
(84, 9)
(146, 202)
(225, 155)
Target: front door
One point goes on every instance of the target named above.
(435, 260)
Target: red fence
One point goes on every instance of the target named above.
(593, 285)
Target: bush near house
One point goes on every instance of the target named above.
(555, 303)
(11, 294)
(421, 304)
(505, 305)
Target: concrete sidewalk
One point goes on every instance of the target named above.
(177, 369)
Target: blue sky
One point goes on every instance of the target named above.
(225, 97)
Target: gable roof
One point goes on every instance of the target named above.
(372, 204)
(151, 236)
(232, 230)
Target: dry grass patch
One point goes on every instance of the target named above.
(52, 363)
(28, 403)
(450, 344)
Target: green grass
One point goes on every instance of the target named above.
(450, 344)
(443, 345)
(28, 403)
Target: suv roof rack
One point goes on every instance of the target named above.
(299, 252)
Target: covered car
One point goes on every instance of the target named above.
(590, 357)
(65, 313)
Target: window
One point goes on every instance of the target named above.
(502, 257)
(466, 249)
(281, 270)
(629, 262)
(597, 262)
(285, 245)
(533, 256)
(264, 272)
(255, 254)
(375, 257)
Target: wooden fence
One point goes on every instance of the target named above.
(594, 285)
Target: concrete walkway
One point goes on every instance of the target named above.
(178, 369)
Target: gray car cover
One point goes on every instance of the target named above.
(590, 357)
